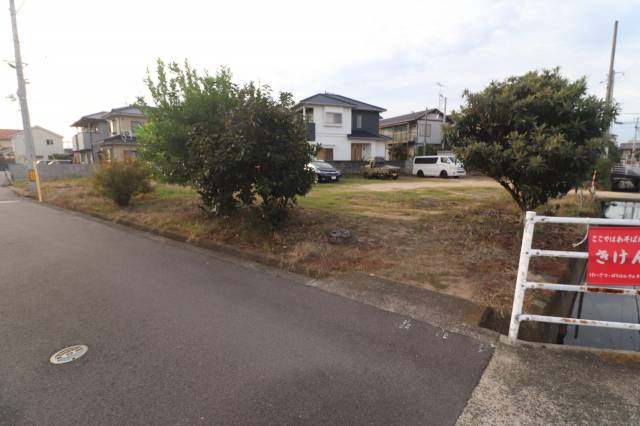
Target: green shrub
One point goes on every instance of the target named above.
(238, 146)
(120, 180)
(398, 151)
(538, 135)
(427, 150)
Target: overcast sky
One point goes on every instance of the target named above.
(85, 56)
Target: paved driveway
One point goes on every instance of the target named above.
(178, 336)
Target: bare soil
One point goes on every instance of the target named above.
(456, 236)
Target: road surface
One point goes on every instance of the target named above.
(181, 336)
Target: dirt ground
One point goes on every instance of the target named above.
(456, 236)
(410, 183)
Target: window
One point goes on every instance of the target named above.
(421, 131)
(130, 155)
(135, 125)
(325, 154)
(426, 160)
(359, 121)
(333, 118)
(309, 114)
(49, 141)
(444, 160)
(401, 133)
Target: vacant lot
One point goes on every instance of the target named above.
(457, 236)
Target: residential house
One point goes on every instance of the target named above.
(124, 123)
(346, 129)
(45, 142)
(6, 147)
(91, 130)
(413, 130)
(628, 152)
(106, 136)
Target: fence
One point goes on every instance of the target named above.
(522, 283)
(52, 171)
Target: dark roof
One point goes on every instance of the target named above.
(98, 116)
(359, 133)
(339, 100)
(126, 110)
(119, 139)
(407, 118)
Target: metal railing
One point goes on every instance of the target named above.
(522, 283)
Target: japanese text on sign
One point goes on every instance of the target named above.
(614, 256)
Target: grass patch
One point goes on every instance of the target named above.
(458, 237)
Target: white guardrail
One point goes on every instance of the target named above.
(522, 284)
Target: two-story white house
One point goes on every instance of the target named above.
(45, 142)
(346, 129)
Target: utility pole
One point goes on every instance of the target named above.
(444, 121)
(635, 140)
(30, 155)
(611, 75)
(610, 80)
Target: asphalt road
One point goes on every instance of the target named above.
(179, 336)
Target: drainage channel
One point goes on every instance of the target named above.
(605, 306)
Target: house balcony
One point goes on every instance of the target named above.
(85, 140)
(311, 132)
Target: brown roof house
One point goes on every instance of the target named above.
(6, 147)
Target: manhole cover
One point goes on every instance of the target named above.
(68, 354)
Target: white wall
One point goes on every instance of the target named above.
(40, 137)
(379, 149)
(335, 137)
(436, 132)
(331, 136)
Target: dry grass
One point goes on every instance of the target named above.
(462, 238)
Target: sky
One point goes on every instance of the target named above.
(86, 56)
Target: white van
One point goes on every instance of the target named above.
(437, 165)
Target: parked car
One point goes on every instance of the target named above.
(325, 172)
(438, 165)
(377, 168)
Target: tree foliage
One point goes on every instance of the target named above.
(538, 135)
(237, 145)
(398, 151)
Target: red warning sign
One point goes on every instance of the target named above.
(614, 256)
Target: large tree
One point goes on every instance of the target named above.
(237, 145)
(538, 135)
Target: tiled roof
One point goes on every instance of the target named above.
(126, 110)
(359, 133)
(339, 100)
(7, 133)
(98, 116)
(406, 118)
